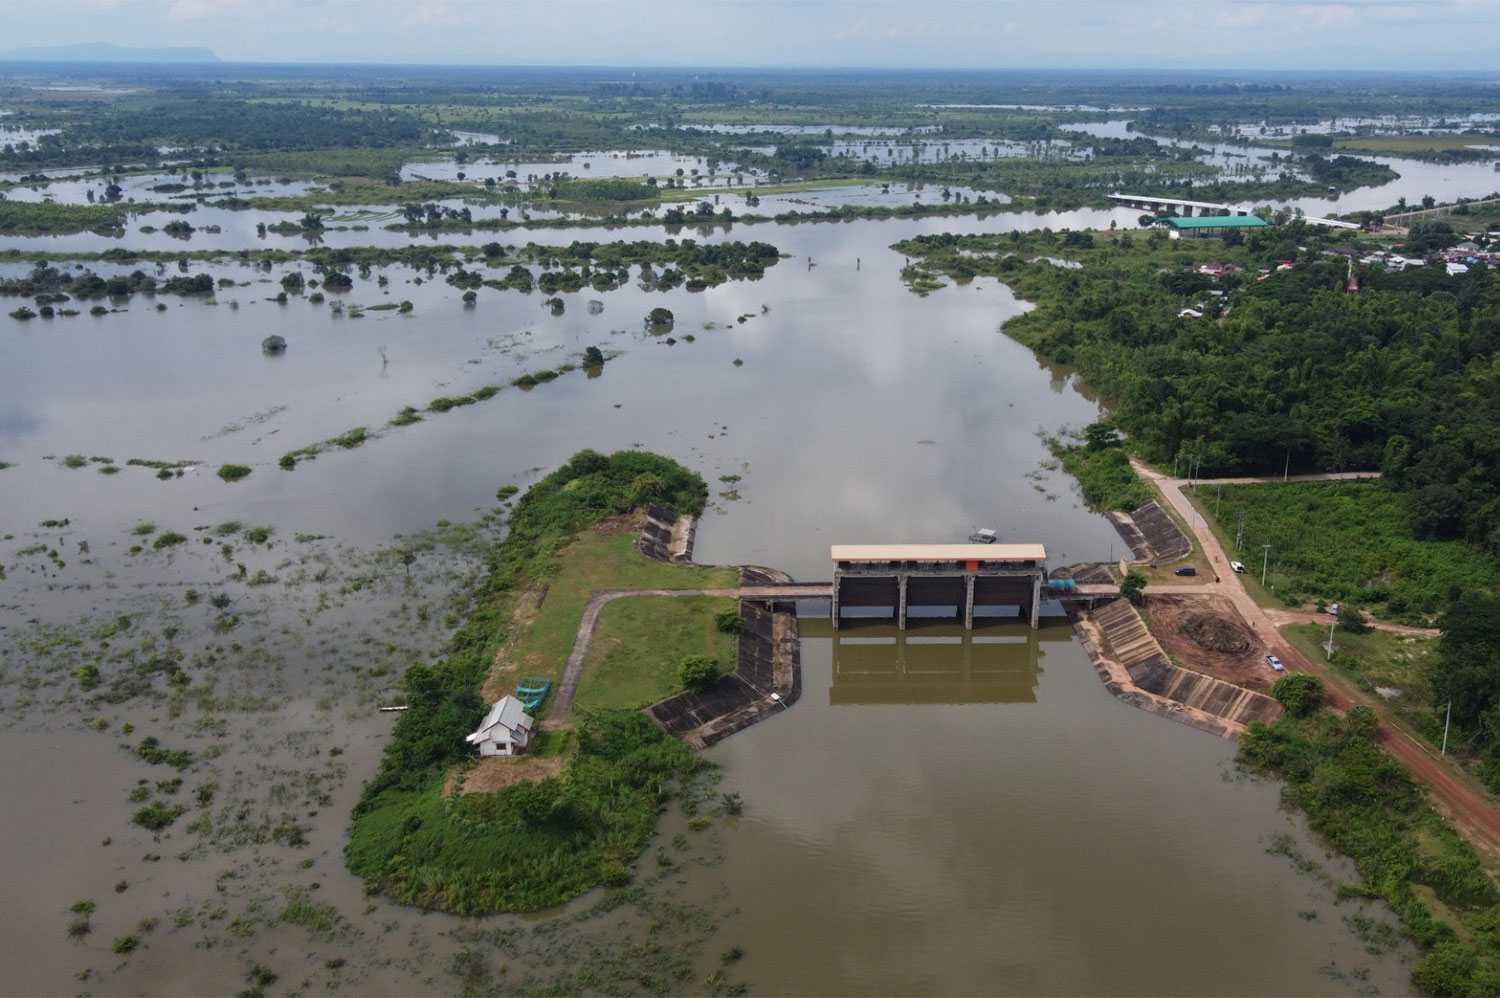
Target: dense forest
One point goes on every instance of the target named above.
(1305, 360)
(1297, 372)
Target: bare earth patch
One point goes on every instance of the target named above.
(1174, 619)
(503, 670)
(624, 523)
(498, 771)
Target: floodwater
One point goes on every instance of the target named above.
(1417, 179)
(941, 812)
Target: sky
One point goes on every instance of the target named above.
(1380, 35)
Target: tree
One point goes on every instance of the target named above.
(699, 672)
(1299, 692)
(593, 357)
(1100, 436)
(1134, 587)
(1465, 672)
(659, 319)
(1353, 621)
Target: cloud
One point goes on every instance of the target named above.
(194, 10)
(439, 13)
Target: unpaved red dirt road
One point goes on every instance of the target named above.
(1461, 799)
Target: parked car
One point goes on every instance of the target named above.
(1275, 663)
(1334, 609)
(1185, 570)
(1238, 566)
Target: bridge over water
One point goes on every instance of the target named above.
(1185, 208)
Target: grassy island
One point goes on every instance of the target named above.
(536, 842)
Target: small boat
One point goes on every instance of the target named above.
(984, 535)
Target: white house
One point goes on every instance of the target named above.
(505, 730)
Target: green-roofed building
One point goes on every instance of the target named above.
(1210, 226)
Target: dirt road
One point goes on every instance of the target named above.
(1465, 803)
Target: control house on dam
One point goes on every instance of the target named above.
(958, 576)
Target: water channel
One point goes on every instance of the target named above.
(946, 813)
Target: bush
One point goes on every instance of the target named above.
(729, 622)
(1134, 588)
(1299, 692)
(1353, 621)
(167, 539)
(699, 672)
(233, 472)
(156, 816)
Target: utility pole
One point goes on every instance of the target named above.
(1239, 535)
(1218, 502)
(1286, 467)
(1264, 561)
(1445, 727)
(1332, 623)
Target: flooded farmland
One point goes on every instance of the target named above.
(947, 813)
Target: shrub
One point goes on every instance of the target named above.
(167, 539)
(613, 873)
(1299, 692)
(233, 472)
(352, 439)
(699, 672)
(1353, 620)
(729, 622)
(157, 815)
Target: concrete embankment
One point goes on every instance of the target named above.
(1134, 668)
(767, 677)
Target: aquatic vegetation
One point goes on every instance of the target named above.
(233, 472)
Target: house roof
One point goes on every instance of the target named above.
(508, 712)
(1217, 222)
(938, 552)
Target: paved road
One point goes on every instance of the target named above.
(1458, 795)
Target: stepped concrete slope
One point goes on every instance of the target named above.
(1134, 667)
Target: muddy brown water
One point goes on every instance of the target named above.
(945, 813)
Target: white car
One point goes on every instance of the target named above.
(1237, 566)
(1275, 663)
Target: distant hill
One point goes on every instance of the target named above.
(105, 52)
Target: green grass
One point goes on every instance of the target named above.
(1345, 541)
(1380, 658)
(1398, 144)
(639, 642)
(602, 561)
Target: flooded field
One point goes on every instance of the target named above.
(945, 813)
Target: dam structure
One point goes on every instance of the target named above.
(962, 576)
